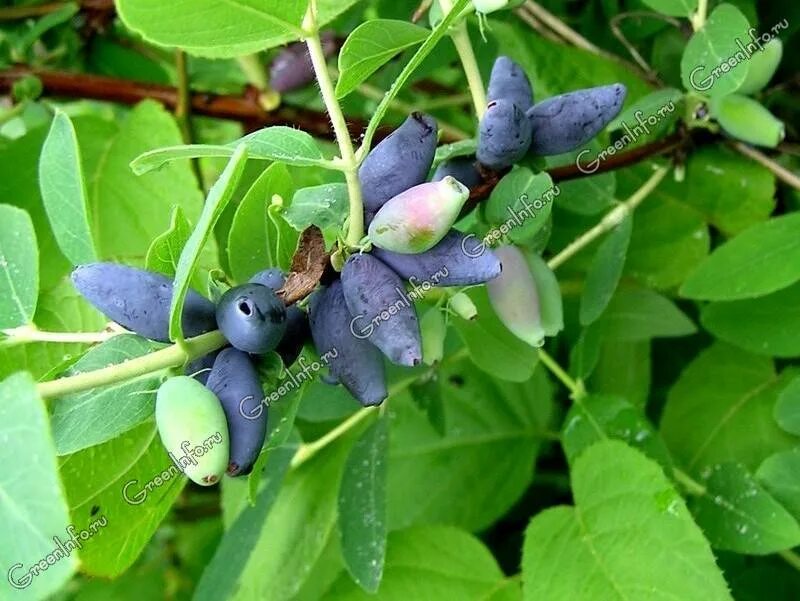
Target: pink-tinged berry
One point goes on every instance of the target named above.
(416, 220)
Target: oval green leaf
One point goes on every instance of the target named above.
(762, 259)
(19, 268)
(370, 46)
(64, 191)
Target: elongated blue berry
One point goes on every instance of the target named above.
(504, 135)
(461, 168)
(509, 82)
(399, 162)
(235, 382)
(415, 220)
(139, 300)
(252, 318)
(382, 311)
(292, 69)
(457, 260)
(355, 362)
(565, 122)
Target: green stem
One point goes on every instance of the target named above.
(610, 221)
(355, 231)
(463, 45)
(184, 96)
(699, 18)
(27, 334)
(692, 486)
(172, 356)
(792, 558)
(575, 388)
(307, 451)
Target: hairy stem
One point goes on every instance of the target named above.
(469, 63)
(172, 356)
(307, 451)
(610, 221)
(355, 231)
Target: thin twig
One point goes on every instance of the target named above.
(611, 219)
(539, 27)
(777, 169)
(649, 72)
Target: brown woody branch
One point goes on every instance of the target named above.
(13, 13)
(245, 109)
(311, 261)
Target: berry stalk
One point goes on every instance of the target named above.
(469, 63)
(172, 356)
(355, 231)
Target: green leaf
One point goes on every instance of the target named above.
(129, 480)
(279, 143)
(641, 314)
(648, 116)
(224, 29)
(64, 191)
(732, 191)
(494, 429)
(297, 531)
(128, 212)
(738, 515)
(602, 548)
(763, 65)
(19, 166)
(492, 347)
(19, 268)
(710, 48)
(669, 238)
(728, 396)
(427, 46)
(778, 474)
(325, 206)
(362, 506)
(256, 241)
(520, 204)
(371, 45)
(430, 563)
(604, 272)
(624, 369)
(748, 120)
(600, 417)
(33, 508)
(218, 198)
(60, 309)
(165, 251)
(455, 149)
(675, 8)
(83, 419)
(765, 325)
(762, 259)
(787, 409)
(221, 575)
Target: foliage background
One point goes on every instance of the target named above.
(514, 493)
